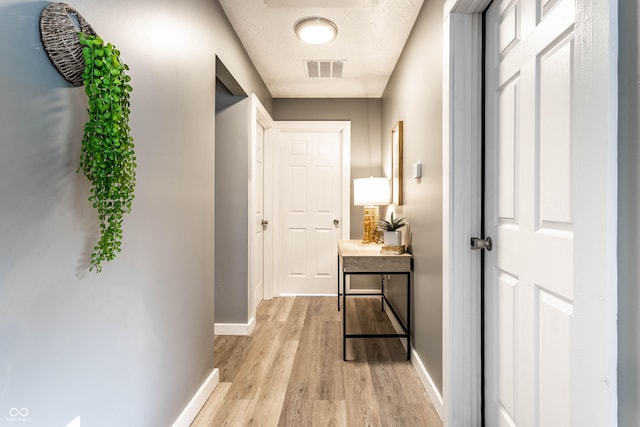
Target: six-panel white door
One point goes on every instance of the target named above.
(540, 336)
(311, 209)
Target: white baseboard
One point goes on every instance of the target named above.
(239, 329)
(351, 294)
(397, 327)
(292, 294)
(421, 370)
(427, 382)
(198, 400)
(75, 422)
(363, 291)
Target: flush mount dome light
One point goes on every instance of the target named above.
(316, 30)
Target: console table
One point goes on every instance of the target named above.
(355, 257)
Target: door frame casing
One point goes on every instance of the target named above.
(259, 115)
(344, 127)
(462, 124)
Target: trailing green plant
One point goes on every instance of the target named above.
(392, 225)
(107, 157)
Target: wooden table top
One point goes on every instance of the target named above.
(358, 257)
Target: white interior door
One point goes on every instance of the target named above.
(260, 223)
(261, 207)
(313, 176)
(549, 307)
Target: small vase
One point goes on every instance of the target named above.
(392, 238)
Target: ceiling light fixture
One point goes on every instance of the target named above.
(316, 30)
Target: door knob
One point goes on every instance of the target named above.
(478, 244)
(265, 222)
(336, 222)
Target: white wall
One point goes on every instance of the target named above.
(629, 215)
(414, 95)
(130, 346)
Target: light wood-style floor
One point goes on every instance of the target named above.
(290, 371)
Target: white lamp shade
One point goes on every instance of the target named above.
(371, 191)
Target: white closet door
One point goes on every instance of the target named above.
(548, 297)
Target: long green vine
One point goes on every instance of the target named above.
(107, 157)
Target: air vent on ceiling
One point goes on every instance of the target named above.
(324, 69)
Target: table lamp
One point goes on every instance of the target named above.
(371, 193)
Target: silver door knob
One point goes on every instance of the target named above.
(265, 222)
(479, 244)
(336, 222)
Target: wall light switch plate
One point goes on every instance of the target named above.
(417, 170)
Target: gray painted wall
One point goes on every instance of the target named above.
(414, 95)
(232, 211)
(130, 346)
(629, 216)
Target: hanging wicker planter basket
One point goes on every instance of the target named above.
(59, 34)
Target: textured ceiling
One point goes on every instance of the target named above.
(371, 35)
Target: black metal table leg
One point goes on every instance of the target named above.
(409, 316)
(338, 277)
(382, 292)
(344, 319)
(406, 327)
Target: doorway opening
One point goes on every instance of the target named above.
(231, 210)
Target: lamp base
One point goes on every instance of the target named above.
(372, 233)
